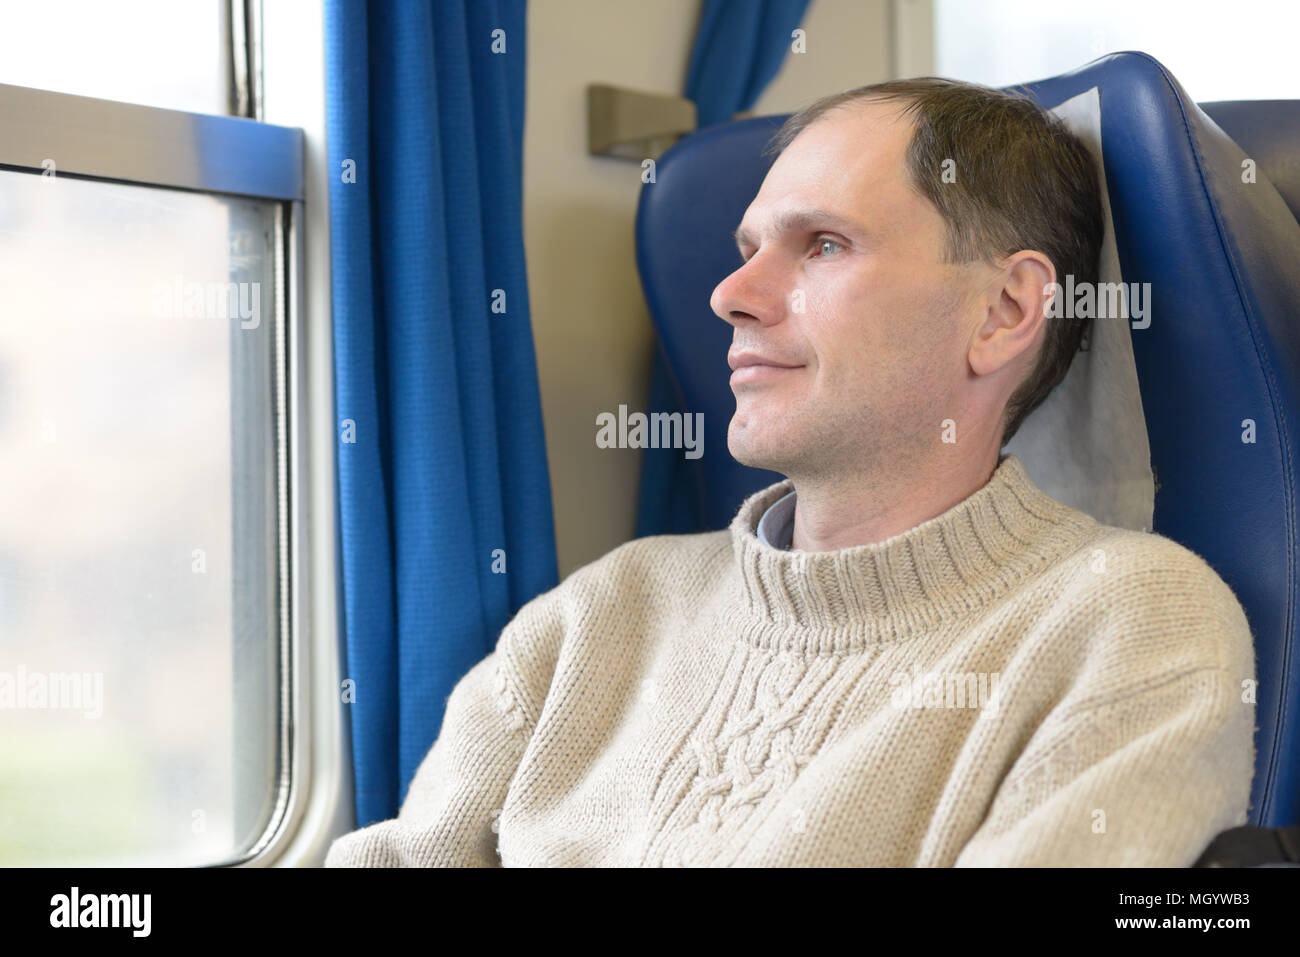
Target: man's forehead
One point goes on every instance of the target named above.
(839, 174)
(866, 141)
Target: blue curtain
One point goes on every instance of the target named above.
(739, 47)
(442, 474)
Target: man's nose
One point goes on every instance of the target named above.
(751, 292)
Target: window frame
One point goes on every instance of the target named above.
(109, 141)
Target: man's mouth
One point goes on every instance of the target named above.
(759, 372)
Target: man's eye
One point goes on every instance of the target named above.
(824, 240)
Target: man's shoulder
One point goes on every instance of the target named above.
(667, 561)
(658, 576)
(654, 566)
(1144, 594)
(1120, 556)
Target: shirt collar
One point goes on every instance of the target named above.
(776, 527)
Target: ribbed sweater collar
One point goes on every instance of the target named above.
(948, 566)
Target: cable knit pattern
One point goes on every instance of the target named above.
(507, 702)
(1008, 683)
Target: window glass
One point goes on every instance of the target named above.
(139, 641)
(168, 53)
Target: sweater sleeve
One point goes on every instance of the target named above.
(449, 815)
(1147, 773)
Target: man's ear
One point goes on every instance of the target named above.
(1015, 312)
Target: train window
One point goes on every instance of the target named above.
(153, 52)
(146, 342)
(1003, 42)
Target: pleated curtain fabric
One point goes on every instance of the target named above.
(445, 524)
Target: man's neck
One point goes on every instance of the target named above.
(844, 511)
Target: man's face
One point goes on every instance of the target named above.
(853, 296)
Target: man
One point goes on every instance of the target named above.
(905, 654)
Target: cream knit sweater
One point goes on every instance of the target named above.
(1009, 683)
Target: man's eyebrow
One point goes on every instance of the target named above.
(802, 220)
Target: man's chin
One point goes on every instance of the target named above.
(749, 451)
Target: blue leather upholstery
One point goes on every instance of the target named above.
(1223, 260)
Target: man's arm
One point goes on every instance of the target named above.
(1143, 764)
(447, 818)
(1144, 782)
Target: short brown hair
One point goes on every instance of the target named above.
(1024, 181)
